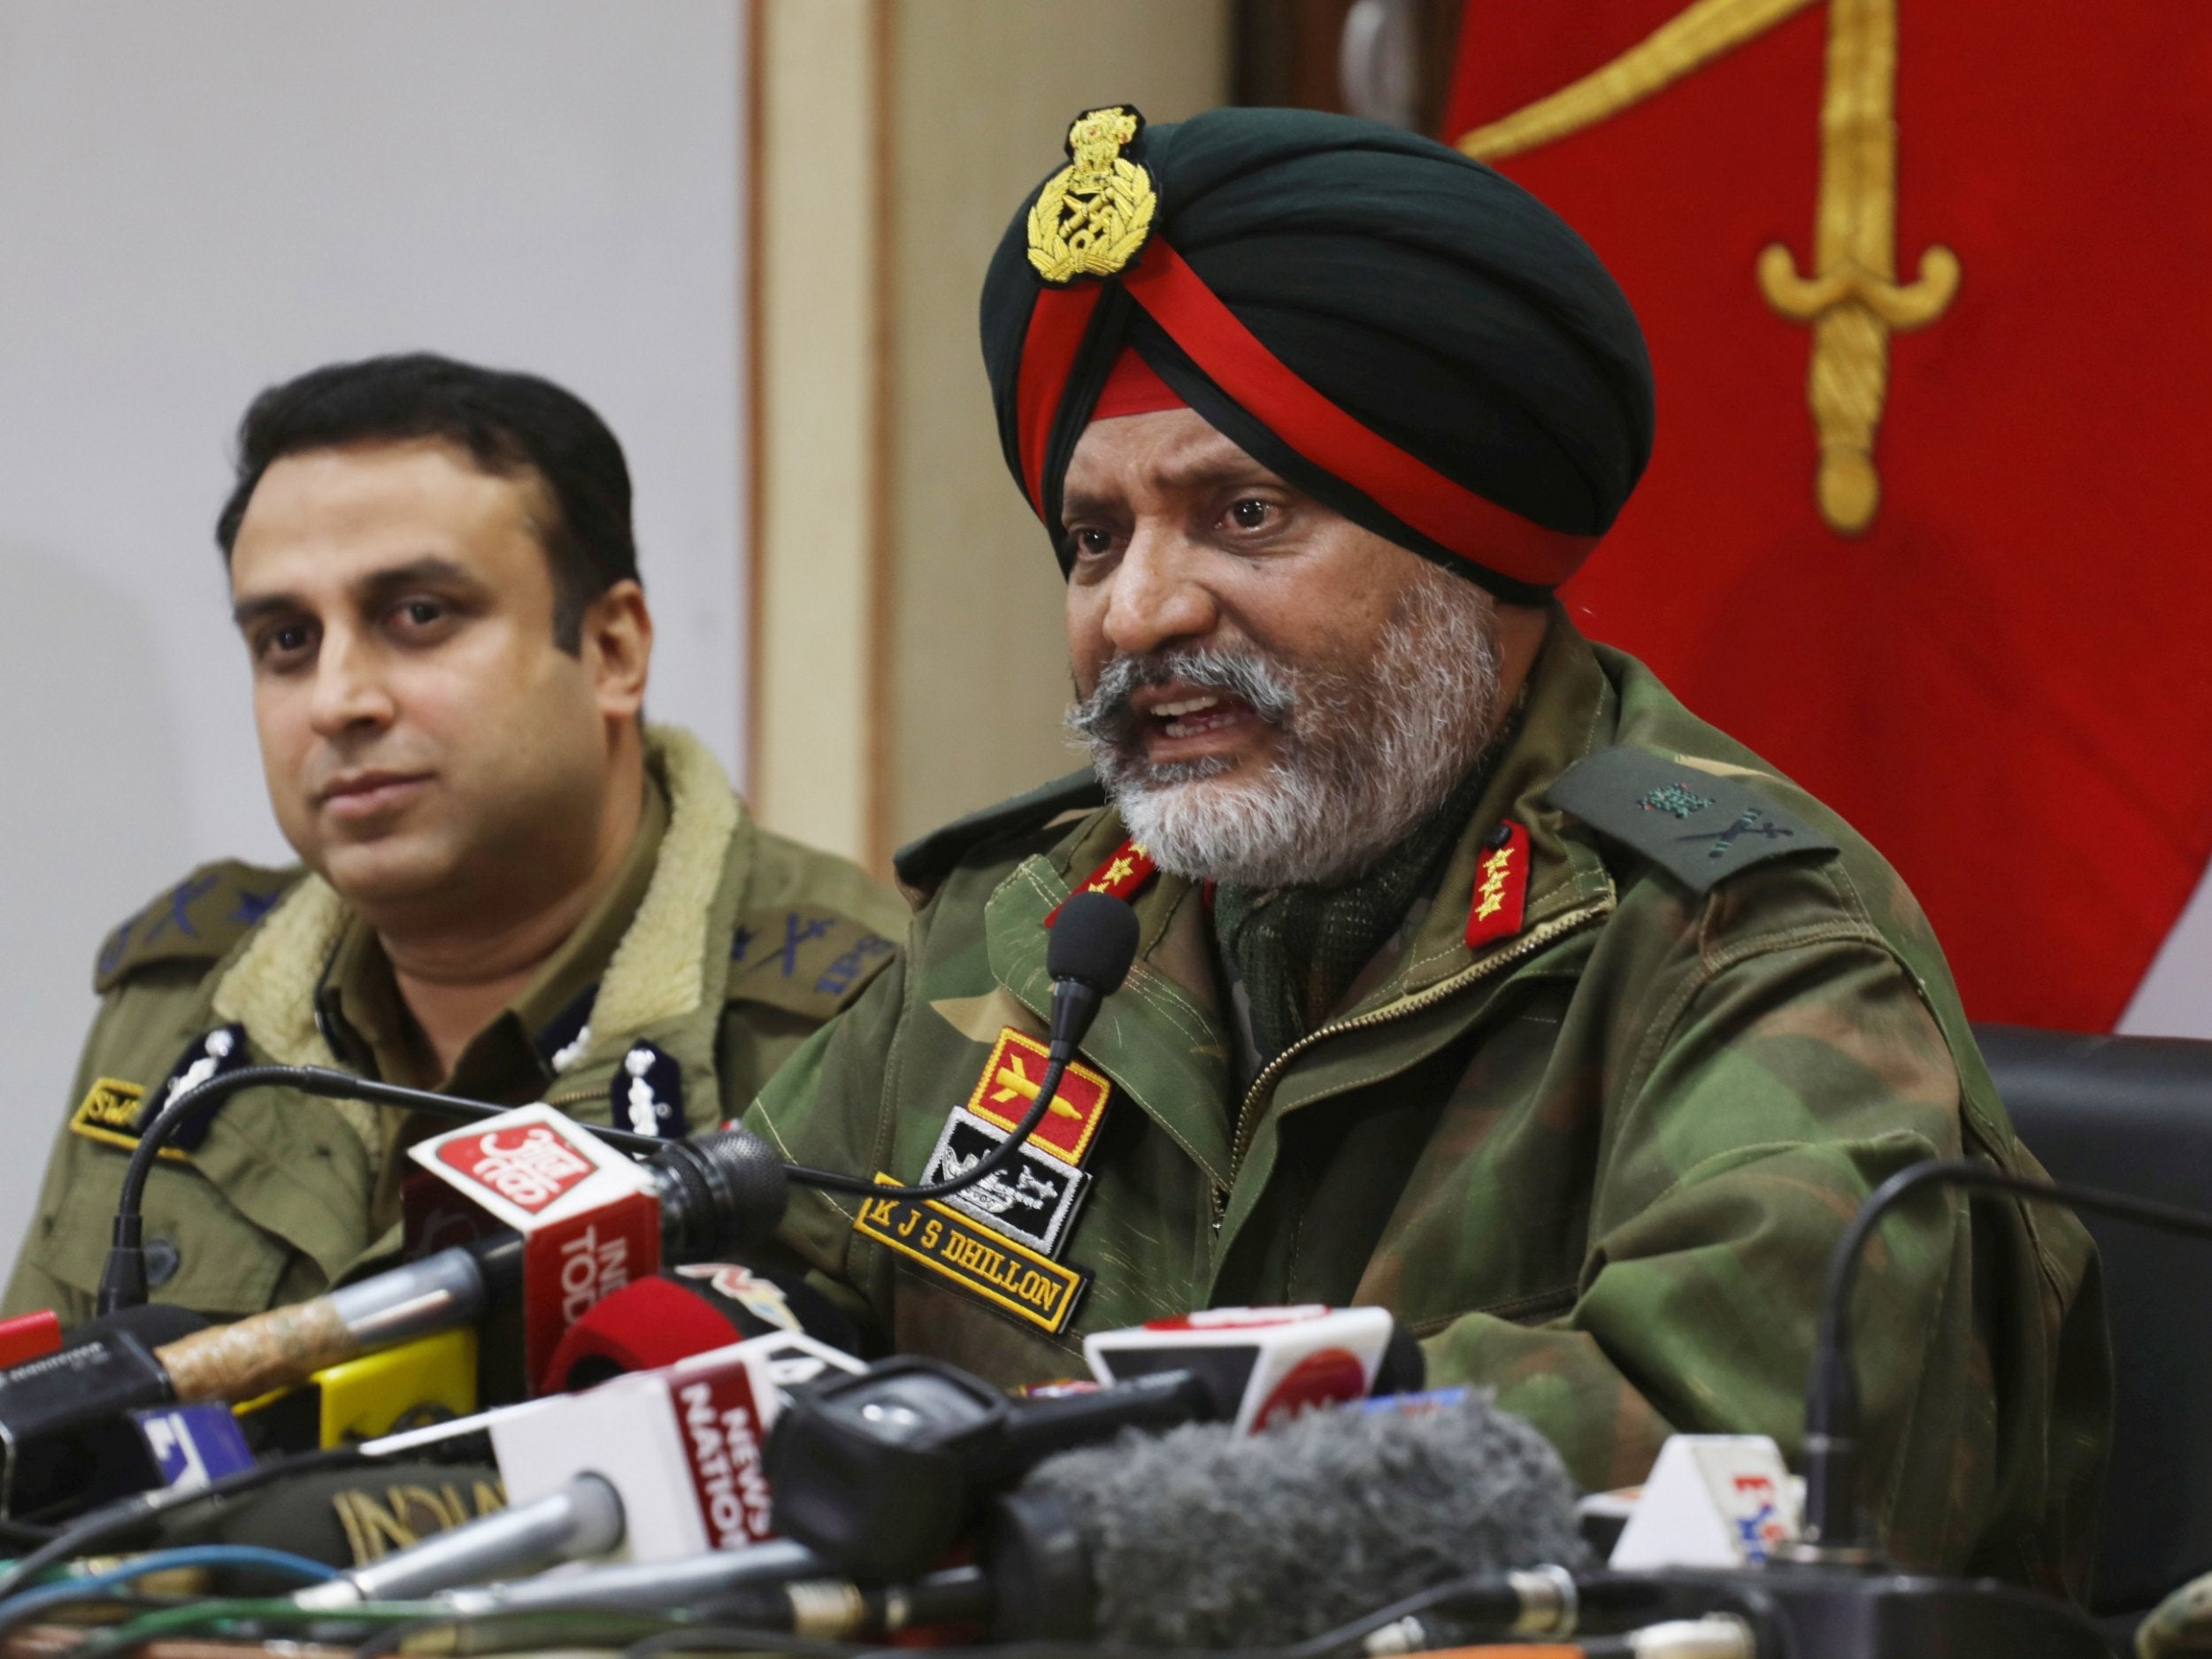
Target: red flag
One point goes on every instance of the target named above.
(1999, 677)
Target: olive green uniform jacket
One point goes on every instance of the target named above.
(741, 944)
(1596, 1165)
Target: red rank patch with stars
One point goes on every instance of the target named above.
(1500, 887)
(1120, 877)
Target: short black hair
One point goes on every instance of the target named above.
(508, 422)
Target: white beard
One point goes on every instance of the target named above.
(1365, 755)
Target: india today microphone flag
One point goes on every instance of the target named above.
(1923, 290)
(589, 1217)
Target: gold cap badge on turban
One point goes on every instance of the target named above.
(1092, 217)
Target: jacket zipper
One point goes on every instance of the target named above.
(1247, 1124)
(573, 1099)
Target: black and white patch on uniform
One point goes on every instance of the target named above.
(214, 1055)
(648, 1093)
(1031, 1200)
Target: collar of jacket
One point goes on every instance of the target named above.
(1165, 1042)
(668, 970)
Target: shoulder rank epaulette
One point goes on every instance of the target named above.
(1700, 828)
(804, 959)
(922, 863)
(197, 921)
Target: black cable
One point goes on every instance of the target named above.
(133, 1601)
(539, 1629)
(1833, 1525)
(831, 1182)
(24, 1534)
(120, 1520)
(123, 1280)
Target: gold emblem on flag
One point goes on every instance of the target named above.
(1853, 301)
(1093, 216)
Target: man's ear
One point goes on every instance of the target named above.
(617, 646)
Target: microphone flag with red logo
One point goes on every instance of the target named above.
(1923, 286)
(588, 1217)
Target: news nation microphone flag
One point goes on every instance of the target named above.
(1926, 286)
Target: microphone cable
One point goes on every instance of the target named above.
(122, 1519)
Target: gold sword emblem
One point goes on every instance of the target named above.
(1853, 301)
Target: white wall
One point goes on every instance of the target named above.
(197, 199)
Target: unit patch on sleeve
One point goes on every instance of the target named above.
(986, 1263)
(1008, 1088)
(1031, 1200)
(109, 1114)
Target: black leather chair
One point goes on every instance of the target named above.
(2134, 1115)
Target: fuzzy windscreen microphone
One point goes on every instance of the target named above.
(1202, 1539)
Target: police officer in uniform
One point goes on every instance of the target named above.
(511, 887)
(1477, 979)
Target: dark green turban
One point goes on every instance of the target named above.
(1404, 333)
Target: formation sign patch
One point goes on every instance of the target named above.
(1032, 1288)
(1008, 1088)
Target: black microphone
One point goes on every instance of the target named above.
(879, 1473)
(882, 1472)
(1094, 941)
(123, 1278)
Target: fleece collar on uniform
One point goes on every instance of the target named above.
(657, 972)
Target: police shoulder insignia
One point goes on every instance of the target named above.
(808, 961)
(217, 1053)
(116, 1113)
(647, 1094)
(1093, 216)
(197, 921)
(1005, 1274)
(1699, 827)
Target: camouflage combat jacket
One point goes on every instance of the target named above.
(741, 945)
(1595, 1159)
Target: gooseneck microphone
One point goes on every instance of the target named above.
(1093, 942)
(123, 1279)
(1835, 1532)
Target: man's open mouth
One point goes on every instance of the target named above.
(1192, 717)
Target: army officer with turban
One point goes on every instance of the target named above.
(1476, 978)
